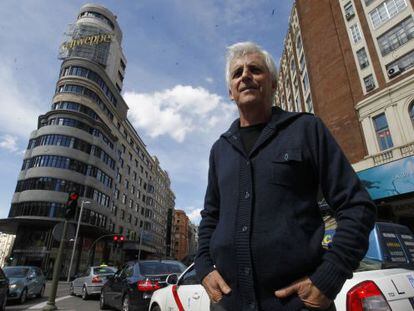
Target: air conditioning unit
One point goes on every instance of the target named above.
(349, 15)
(393, 71)
(369, 87)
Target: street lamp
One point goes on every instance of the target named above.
(76, 237)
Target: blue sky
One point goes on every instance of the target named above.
(174, 82)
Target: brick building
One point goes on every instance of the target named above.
(350, 62)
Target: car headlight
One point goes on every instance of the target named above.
(12, 286)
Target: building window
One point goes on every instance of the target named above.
(403, 63)
(124, 198)
(356, 34)
(299, 44)
(369, 83)
(305, 81)
(309, 104)
(122, 65)
(362, 58)
(385, 11)
(412, 113)
(302, 63)
(349, 11)
(396, 36)
(383, 132)
(292, 67)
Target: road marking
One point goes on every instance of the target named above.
(41, 305)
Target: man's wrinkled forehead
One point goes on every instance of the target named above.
(250, 58)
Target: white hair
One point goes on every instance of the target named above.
(243, 48)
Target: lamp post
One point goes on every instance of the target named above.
(76, 237)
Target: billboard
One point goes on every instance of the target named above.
(389, 179)
(87, 41)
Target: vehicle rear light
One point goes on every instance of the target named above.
(366, 296)
(96, 279)
(148, 285)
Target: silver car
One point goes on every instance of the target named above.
(91, 282)
(24, 282)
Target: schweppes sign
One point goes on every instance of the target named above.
(90, 40)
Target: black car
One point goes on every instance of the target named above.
(132, 286)
(4, 287)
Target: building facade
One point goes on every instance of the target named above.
(6, 245)
(181, 234)
(350, 62)
(85, 143)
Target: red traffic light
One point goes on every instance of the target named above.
(74, 196)
(121, 238)
(115, 238)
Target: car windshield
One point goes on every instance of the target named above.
(148, 268)
(104, 270)
(15, 272)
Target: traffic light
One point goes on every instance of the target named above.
(71, 205)
(118, 240)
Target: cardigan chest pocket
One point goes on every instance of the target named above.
(286, 167)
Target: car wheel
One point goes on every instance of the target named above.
(102, 303)
(125, 303)
(71, 290)
(156, 308)
(85, 294)
(23, 296)
(41, 293)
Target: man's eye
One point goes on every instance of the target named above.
(255, 70)
(237, 73)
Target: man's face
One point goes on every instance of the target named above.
(250, 81)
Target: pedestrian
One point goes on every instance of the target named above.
(260, 237)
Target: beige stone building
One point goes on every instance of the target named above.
(86, 143)
(6, 245)
(351, 63)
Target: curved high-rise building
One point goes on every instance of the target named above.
(85, 143)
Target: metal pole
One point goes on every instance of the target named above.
(56, 272)
(76, 238)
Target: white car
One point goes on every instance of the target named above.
(185, 294)
(384, 281)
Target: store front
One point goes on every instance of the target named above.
(391, 186)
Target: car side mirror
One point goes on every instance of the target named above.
(172, 279)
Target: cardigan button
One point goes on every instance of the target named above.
(247, 195)
(286, 156)
(244, 228)
(247, 271)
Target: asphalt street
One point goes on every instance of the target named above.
(63, 301)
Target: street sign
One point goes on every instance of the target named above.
(57, 232)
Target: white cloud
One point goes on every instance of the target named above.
(194, 215)
(19, 112)
(9, 143)
(209, 80)
(178, 112)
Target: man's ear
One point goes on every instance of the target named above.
(231, 95)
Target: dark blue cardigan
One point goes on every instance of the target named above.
(261, 226)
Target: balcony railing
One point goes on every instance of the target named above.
(389, 155)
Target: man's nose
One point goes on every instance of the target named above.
(246, 73)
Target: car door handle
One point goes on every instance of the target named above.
(196, 296)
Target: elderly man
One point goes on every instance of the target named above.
(261, 229)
